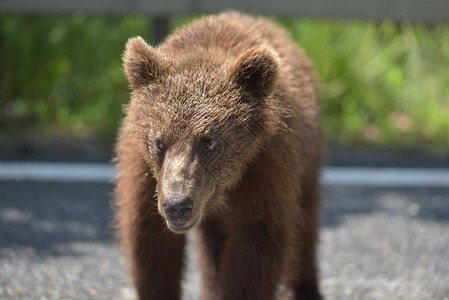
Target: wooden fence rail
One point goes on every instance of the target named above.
(426, 11)
(429, 11)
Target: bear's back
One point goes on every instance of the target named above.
(230, 31)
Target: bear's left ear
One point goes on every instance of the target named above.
(143, 64)
(256, 71)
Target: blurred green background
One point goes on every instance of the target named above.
(382, 83)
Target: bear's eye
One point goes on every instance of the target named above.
(159, 146)
(209, 145)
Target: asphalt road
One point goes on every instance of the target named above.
(56, 242)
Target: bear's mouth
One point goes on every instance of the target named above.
(181, 226)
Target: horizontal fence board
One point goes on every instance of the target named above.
(331, 176)
(429, 11)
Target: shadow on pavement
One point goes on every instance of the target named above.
(45, 216)
(428, 204)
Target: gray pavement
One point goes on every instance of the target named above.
(56, 242)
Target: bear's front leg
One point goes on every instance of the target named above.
(155, 253)
(157, 257)
(252, 263)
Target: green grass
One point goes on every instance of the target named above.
(381, 83)
(64, 71)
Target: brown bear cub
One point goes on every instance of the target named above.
(222, 136)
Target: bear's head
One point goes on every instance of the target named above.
(199, 118)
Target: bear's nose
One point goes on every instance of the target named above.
(178, 209)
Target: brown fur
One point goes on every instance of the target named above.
(225, 113)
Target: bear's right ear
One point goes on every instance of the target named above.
(143, 64)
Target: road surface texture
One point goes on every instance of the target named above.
(56, 242)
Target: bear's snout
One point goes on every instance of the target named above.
(178, 209)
